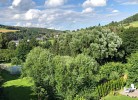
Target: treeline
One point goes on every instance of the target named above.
(26, 33)
(26, 37)
(130, 19)
(99, 43)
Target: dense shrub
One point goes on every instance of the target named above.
(6, 55)
(99, 43)
(112, 71)
(130, 40)
(16, 61)
(61, 76)
(133, 69)
(106, 88)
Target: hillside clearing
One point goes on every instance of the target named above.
(133, 24)
(2, 30)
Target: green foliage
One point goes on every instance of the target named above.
(22, 50)
(98, 43)
(73, 72)
(1, 82)
(130, 19)
(110, 86)
(1, 39)
(6, 55)
(133, 69)
(16, 61)
(47, 44)
(75, 75)
(130, 40)
(111, 71)
(25, 32)
(33, 42)
(11, 45)
(39, 66)
(5, 38)
(60, 76)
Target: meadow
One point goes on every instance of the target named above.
(132, 24)
(3, 30)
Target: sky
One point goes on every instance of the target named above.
(64, 14)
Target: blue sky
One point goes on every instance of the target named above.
(64, 14)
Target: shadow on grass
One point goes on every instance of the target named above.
(18, 93)
(15, 92)
(7, 76)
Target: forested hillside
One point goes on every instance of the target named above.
(130, 19)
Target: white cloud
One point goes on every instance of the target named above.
(16, 2)
(16, 16)
(64, 17)
(87, 10)
(115, 11)
(94, 3)
(22, 4)
(32, 14)
(26, 24)
(53, 18)
(18, 24)
(127, 2)
(54, 3)
(112, 15)
(131, 3)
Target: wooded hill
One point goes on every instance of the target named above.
(130, 19)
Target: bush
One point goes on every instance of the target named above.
(130, 40)
(110, 86)
(16, 61)
(133, 69)
(111, 71)
(61, 76)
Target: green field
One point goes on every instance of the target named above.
(16, 88)
(133, 24)
(119, 97)
(3, 30)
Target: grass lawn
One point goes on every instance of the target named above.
(119, 97)
(133, 24)
(16, 88)
(3, 30)
(7, 64)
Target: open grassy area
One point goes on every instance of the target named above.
(118, 97)
(16, 88)
(133, 24)
(3, 30)
(7, 64)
